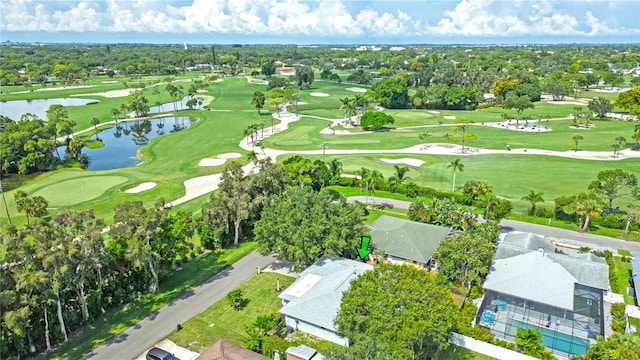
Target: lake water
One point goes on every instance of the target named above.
(16, 108)
(123, 141)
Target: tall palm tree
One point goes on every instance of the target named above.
(533, 197)
(95, 123)
(374, 179)
(620, 141)
(364, 177)
(577, 139)
(456, 165)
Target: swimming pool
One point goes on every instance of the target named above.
(557, 340)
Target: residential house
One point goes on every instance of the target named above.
(405, 241)
(312, 302)
(533, 285)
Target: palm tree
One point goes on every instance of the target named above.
(577, 139)
(401, 172)
(95, 123)
(533, 197)
(462, 130)
(349, 107)
(456, 165)
(374, 179)
(423, 138)
(252, 156)
(364, 176)
(335, 167)
(621, 140)
(116, 113)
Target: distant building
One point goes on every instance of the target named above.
(312, 302)
(286, 71)
(532, 286)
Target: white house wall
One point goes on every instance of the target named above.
(314, 330)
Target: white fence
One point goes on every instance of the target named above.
(486, 348)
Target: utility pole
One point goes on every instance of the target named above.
(324, 147)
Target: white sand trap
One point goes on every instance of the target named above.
(111, 94)
(66, 88)
(356, 89)
(301, 103)
(449, 117)
(319, 94)
(202, 91)
(220, 80)
(351, 176)
(408, 161)
(212, 162)
(110, 82)
(229, 156)
(433, 112)
(140, 188)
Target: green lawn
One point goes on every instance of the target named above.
(119, 319)
(220, 321)
(454, 352)
(622, 272)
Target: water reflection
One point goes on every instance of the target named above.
(123, 141)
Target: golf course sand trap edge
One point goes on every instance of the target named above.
(449, 117)
(212, 162)
(407, 161)
(229, 156)
(356, 89)
(319, 94)
(141, 187)
(111, 93)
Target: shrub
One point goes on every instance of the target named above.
(611, 221)
(464, 321)
(481, 333)
(544, 212)
(619, 323)
(236, 299)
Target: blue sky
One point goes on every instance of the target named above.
(321, 21)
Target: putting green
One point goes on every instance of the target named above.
(74, 191)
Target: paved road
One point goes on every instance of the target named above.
(561, 235)
(158, 325)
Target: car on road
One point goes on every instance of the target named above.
(160, 354)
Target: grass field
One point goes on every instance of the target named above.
(171, 159)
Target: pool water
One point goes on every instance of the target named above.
(557, 340)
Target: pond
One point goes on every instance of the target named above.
(16, 108)
(123, 141)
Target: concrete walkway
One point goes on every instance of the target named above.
(143, 335)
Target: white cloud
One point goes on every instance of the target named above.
(319, 18)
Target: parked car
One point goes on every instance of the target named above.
(160, 354)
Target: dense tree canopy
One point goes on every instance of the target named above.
(375, 120)
(401, 307)
(392, 92)
(629, 100)
(301, 225)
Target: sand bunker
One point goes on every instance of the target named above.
(212, 162)
(319, 94)
(140, 188)
(111, 94)
(356, 89)
(218, 160)
(433, 112)
(449, 117)
(66, 88)
(229, 156)
(301, 103)
(110, 82)
(408, 161)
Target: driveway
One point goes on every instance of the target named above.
(143, 335)
(560, 235)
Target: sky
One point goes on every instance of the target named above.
(321, 21)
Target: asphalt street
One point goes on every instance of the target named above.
(560, 235)
(158, 325)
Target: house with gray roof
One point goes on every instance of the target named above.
(312, 302)
(405, 241)
(531, 285)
